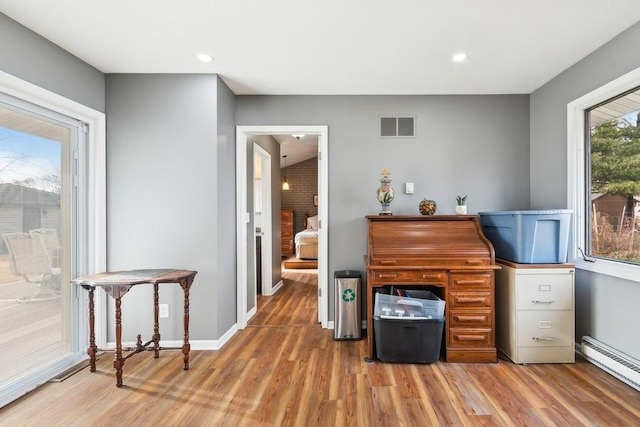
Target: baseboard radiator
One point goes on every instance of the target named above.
(618, 364)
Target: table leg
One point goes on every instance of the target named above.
(92, 349)
(186, 347)
(118, 361)
(156, 325)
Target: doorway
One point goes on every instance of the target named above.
(244, 218)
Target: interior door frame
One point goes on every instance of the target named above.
(243, 217)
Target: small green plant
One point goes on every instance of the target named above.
(461, 200)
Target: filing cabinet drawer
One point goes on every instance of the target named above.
(545, 292)
(545, 328)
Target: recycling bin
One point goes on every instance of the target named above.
(348, 311)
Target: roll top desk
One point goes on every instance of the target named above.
(446, 252)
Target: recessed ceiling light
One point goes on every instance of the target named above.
(459, 57)
(205, 57)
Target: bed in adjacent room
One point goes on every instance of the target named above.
(306, 241)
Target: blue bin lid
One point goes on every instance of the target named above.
(530, 212)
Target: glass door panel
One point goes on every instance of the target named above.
(35, 242)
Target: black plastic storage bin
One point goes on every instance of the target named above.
(408, 341)
(408, 326)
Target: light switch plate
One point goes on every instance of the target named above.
(163, 311)
(408, 187)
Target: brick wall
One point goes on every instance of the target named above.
(303, 184)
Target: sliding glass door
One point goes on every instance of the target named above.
(38, 167)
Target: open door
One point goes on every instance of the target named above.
(262, 219)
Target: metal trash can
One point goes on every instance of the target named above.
(347, 325)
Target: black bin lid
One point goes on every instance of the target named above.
(346, 274)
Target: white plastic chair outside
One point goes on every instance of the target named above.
(30, 260)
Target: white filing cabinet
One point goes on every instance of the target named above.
(535, 321)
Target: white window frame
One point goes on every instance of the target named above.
(94, 204)
(576, 178)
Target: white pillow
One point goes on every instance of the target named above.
(312, 222)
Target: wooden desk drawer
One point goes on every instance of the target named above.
(475, 337)
(475, 318)
(482, 299)
(415, 276)
(385, 260)
(471, 281)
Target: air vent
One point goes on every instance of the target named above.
(398, 127)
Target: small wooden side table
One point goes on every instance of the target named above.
(117, 284)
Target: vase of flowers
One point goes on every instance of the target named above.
(385, 192)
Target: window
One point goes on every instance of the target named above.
(612, 137)
(603, 141)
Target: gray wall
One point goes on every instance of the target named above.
(225, 210)
(30, 57)
(475, 145)
(605, 306)
(163, 181)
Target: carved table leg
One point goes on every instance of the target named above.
(156, 326)
(186, 347)
(92, 349)
(118, 361)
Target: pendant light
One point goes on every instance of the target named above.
(285, 184)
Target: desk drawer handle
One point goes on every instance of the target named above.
(470, 282)
(388, 262)
(535, 301)
(543, 339)
(471, 299)
(388, 275)
(470, 318)
(470, 337)
(432, 276)
(474, 262)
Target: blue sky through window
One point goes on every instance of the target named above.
(25, 156)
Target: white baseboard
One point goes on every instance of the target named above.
(252, 313)
(195, 344)
(277, 287)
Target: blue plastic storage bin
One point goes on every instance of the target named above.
(528, 237)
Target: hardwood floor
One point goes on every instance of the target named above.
(283, 369)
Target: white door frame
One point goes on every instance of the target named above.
(243, 217)
(267, 233)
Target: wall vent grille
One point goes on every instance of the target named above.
(397, 127)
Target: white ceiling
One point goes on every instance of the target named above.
(335, 46)
(297, 149)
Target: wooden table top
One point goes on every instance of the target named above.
(134, 277)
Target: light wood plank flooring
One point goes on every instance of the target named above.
(284, 370)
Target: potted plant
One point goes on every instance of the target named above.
(461, 208)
